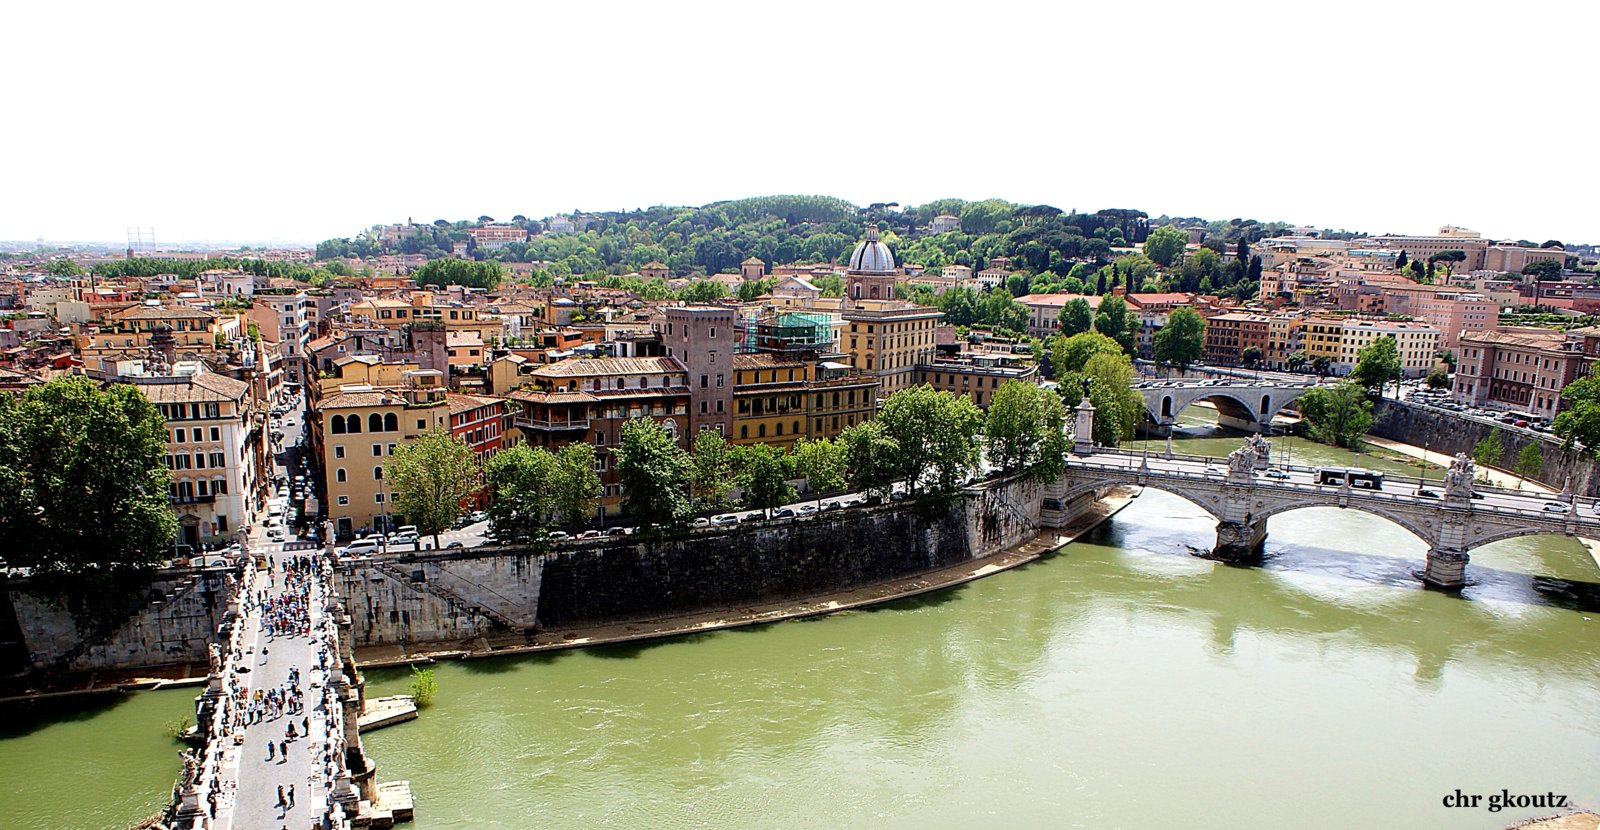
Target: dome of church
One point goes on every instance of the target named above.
(871, 256)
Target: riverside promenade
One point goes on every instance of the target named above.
(280, 712)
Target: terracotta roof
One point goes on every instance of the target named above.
(165, 312)
(589, 367)
(764, 360)
(204, 386)
(356, 400)
(463, 403)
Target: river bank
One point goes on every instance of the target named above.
(1040, 545)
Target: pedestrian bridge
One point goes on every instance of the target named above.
(285, 636)
(1249, 406)
(1242, 492)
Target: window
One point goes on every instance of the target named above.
(421, 424)
(719, 380)
(338, 475)
(761, 431)
(199, 461)
(220, 487)
(744, 430)
(377, 450)
(216, 433)
(377, 474)
(217, 460)
(377, 498)
(177, 435)
(703, 381)
(391, 449)
(374, 423)
(391, 423)
(338, 451)
(352, 424)
(344, 500)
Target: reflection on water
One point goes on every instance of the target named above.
(1121, 683)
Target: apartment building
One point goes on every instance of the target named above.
(286, 319)
(701, 338)
(887, 340)
(216, 447)
(1418, 344)
(1452, 311)
(358, 428)
(780, 399)
(1520, 370)
(975, 376)
(1044, 310)
(1230, 335)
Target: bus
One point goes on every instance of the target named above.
(1357, 477)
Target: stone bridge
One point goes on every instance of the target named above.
(1240, 404)
(1242, 492)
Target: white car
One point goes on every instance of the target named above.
(724, 520)
(404, 537)
(1557, 507)
(361, 547)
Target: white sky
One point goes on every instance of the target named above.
(298, 121)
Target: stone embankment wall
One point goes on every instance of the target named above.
(454, 597)
(174, 627)
(1443, 433)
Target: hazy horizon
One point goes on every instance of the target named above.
(304, 122)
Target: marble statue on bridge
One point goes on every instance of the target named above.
(1458, 479)
(1242, 460)
(1262, 449)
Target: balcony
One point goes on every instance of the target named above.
(191, 499)
(526, 423)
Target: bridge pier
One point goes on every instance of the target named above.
(1241, 424)
(1446, 570)
(1239, 541)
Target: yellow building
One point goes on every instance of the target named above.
(1322, 337)
(888, 339)
(778, 401)
(1418, 344)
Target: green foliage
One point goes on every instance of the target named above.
(1377, 363)
(1071, 354)
(1530, 461)
(935, 434)
(1076, 317)
(1338, 415)
(522, 486)
(762, 475)
(1250, 356)
(189, 269)
(1179, 342)
(1118, 406)
(64, 267)
(424, 686)
(713, 468)
(1489, 451)
(430, 478)
(1024, 430)
(870, 458)
(749, 290)
(1543, 270)
(448, 271)
(1113, 320)
(577, 485)
(84, 493)
(821, 462)
(1165, 245)
(656, 475)
(1579, 424)
(703, 291)
(1439, 377)
(177, 729)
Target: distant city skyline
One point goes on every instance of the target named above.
(1278, 114)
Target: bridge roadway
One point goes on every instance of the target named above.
(1241, 403)
(232, 782)
(1451, 523)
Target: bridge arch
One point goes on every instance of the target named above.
(1519, 532)
(1196, 499)
(1405, 522)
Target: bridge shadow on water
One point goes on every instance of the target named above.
(23, 717)
(1483, 583)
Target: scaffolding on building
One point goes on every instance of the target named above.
(794, 333)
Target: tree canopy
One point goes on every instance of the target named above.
(1076, 317)
(1377, 363)
(1179, 342)
(935, 435)
(448, 271)
(521, 481)
(84, 491)
(1023, 429)
(1579, 424)
(1071, 354)
(1338, 415)
(656, 475)
(1165, 245)
(430, 480)
(1113, 320)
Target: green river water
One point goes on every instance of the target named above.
(1120, 684)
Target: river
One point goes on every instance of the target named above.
(1120, 683)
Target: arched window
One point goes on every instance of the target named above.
(374, 423)
(391, 423)
(744, 431)
(1266, 403)
(338, 475)
(836, 400)
(352, 423)
(761, 430)
(796, 427)
(1166, 406)
(780, 429)
(336, 425)
(377, 473)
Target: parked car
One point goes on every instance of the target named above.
(1557, 507)
(361, 547)
(557, 536)
(618, 531)
(783, 513)
(1428, 494)
(806, 509)
(591, 534)
(831, 505)
(1274, 472)
(725, 520)
(702, 522)
(454, 545)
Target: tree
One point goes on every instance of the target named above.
(1530, 461)
(1321, 365)
(430, 478)
(1543, 270)
(84, 491)
(64, 267)
(1297, 360)
(1165, 244)
(521, 481)
(764, 478)
(1337, 415)
(1489, 451)
(1071, 354)
(449, 271)
(1076, 317)
(1439, 377)
(1112, 320)
(1377, 363)
(821, 462)
(1400, 261)
(936, 436)
(1024, 430)
(1450, 258)
(713, 468)
(1579, 424)
(577, 485)
(1250, 356)
(656, 474)
(870, 457)
(703, 291)
(1179, 342)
